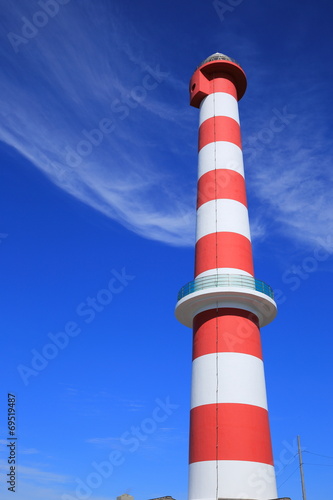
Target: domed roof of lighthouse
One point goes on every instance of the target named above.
(218, 56)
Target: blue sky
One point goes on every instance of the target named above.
(98, 177)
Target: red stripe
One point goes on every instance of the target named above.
(223, 249)
(221, 184)
(219, 128)
(204, 82)
(224, 85)
(230, 431)
(226, 330)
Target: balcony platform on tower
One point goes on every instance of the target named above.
(226, 290)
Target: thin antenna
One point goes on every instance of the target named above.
(301, 467)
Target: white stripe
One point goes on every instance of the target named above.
(239, 379)
(236, 479)
(220, 154)
(222, 270)
(222, 215)
(219, 104)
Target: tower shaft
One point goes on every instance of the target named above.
(230, 445)
(223, 243)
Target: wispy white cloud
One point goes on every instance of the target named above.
(29, 451)
(23, 451)
(293, 180)
(41, 475)
(121, 443)
(67, 80)
(114, 443)
(52, 486)
(37, 482)
(77, 73)
(37, 473)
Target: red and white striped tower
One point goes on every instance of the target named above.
(230, 444)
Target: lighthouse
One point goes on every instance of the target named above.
(230, 454)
